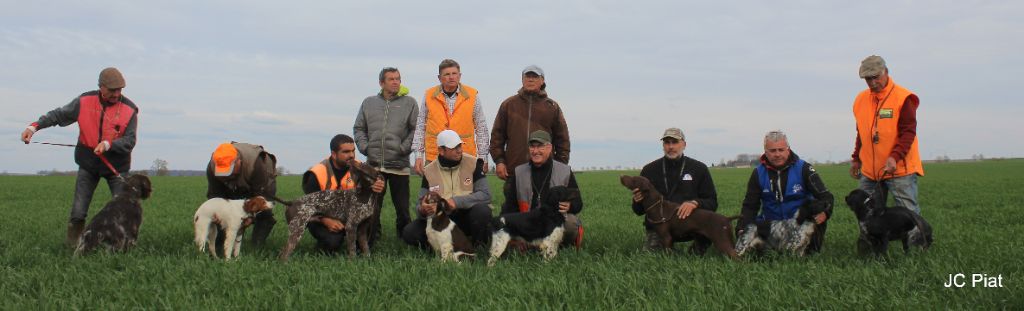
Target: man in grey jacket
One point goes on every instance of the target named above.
(383, 133)
(459, 179)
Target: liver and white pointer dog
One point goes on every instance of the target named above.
(117, 225)
(353, 207)
(879, 224)
(662, 214)
(450, 243)
(542, 227)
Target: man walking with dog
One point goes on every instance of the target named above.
(885, 154)
(530, 182)
(459, 178)
(106, 137)
(239, 171)
(529, 110)
(383, 132)
(332, 174)
(677, 178)
(450, 106)
(780, 185)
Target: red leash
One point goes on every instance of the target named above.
(102, 158)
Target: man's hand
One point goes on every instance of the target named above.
(419, 166)
(637, 195)
(686, 208)
(501, 171)
(855, 170)
(563, 207)
(890, 166)
(26, 135)
(427, 209)
(485, 167)
(332, 224)
(378, 186)
(102, 147)
(820, 218)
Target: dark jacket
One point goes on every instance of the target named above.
(520, 115)
(693, 183)
(257, 176)
(822, 199)
(120, 153)
(537, 173)
(384, 130)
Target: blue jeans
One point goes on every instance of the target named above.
(903, 189)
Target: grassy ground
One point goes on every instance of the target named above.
(974, 208)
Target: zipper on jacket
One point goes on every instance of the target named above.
(384, 131)
(103, 113)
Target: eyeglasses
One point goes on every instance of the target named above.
(872, 77)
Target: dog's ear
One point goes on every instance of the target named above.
(627, 181)
(255, 204)
(142, 184)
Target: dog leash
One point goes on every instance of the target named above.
(656, 204)
(102, 158)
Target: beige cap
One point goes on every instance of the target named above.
(872, 66)
(111, 78)
(674, 133)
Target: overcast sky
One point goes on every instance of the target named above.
(290, 75)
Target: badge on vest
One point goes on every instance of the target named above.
(687, 177)
(467, 182)
(885, 113)
(435, 189)
(797, 188)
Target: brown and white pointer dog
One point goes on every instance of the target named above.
(662, 214)
(353, 207)
(450, 243)
(117, 225)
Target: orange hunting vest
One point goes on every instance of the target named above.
(460, 120)
(325, 177)
(883, 117)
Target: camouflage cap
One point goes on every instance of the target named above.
(872, 66)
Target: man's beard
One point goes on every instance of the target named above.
(672, 156)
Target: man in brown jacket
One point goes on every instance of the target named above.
(527, 111)
(240, 171)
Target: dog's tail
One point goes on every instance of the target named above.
(87, 242)
(279, 200)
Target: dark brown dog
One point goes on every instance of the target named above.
(117, 225)
(443, 235)
(662, 214)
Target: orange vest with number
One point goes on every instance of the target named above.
(459, 120)
(325, 177)
(873, 114)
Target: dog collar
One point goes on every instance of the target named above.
(647, 211)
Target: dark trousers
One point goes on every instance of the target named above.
(474, 222)
(326, 241)
(85, 186)
(399, 185)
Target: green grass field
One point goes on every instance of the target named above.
(973, 207)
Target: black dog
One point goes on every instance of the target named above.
(117, 225)
(879, 225)
(541, 227)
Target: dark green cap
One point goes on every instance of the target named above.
(540, 136)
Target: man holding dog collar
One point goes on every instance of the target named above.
(332, 174)
(239, 171)
(531, 181)
(106, 123)
(885, 154)
(780, 185)
(459, 179)
(679, 179)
